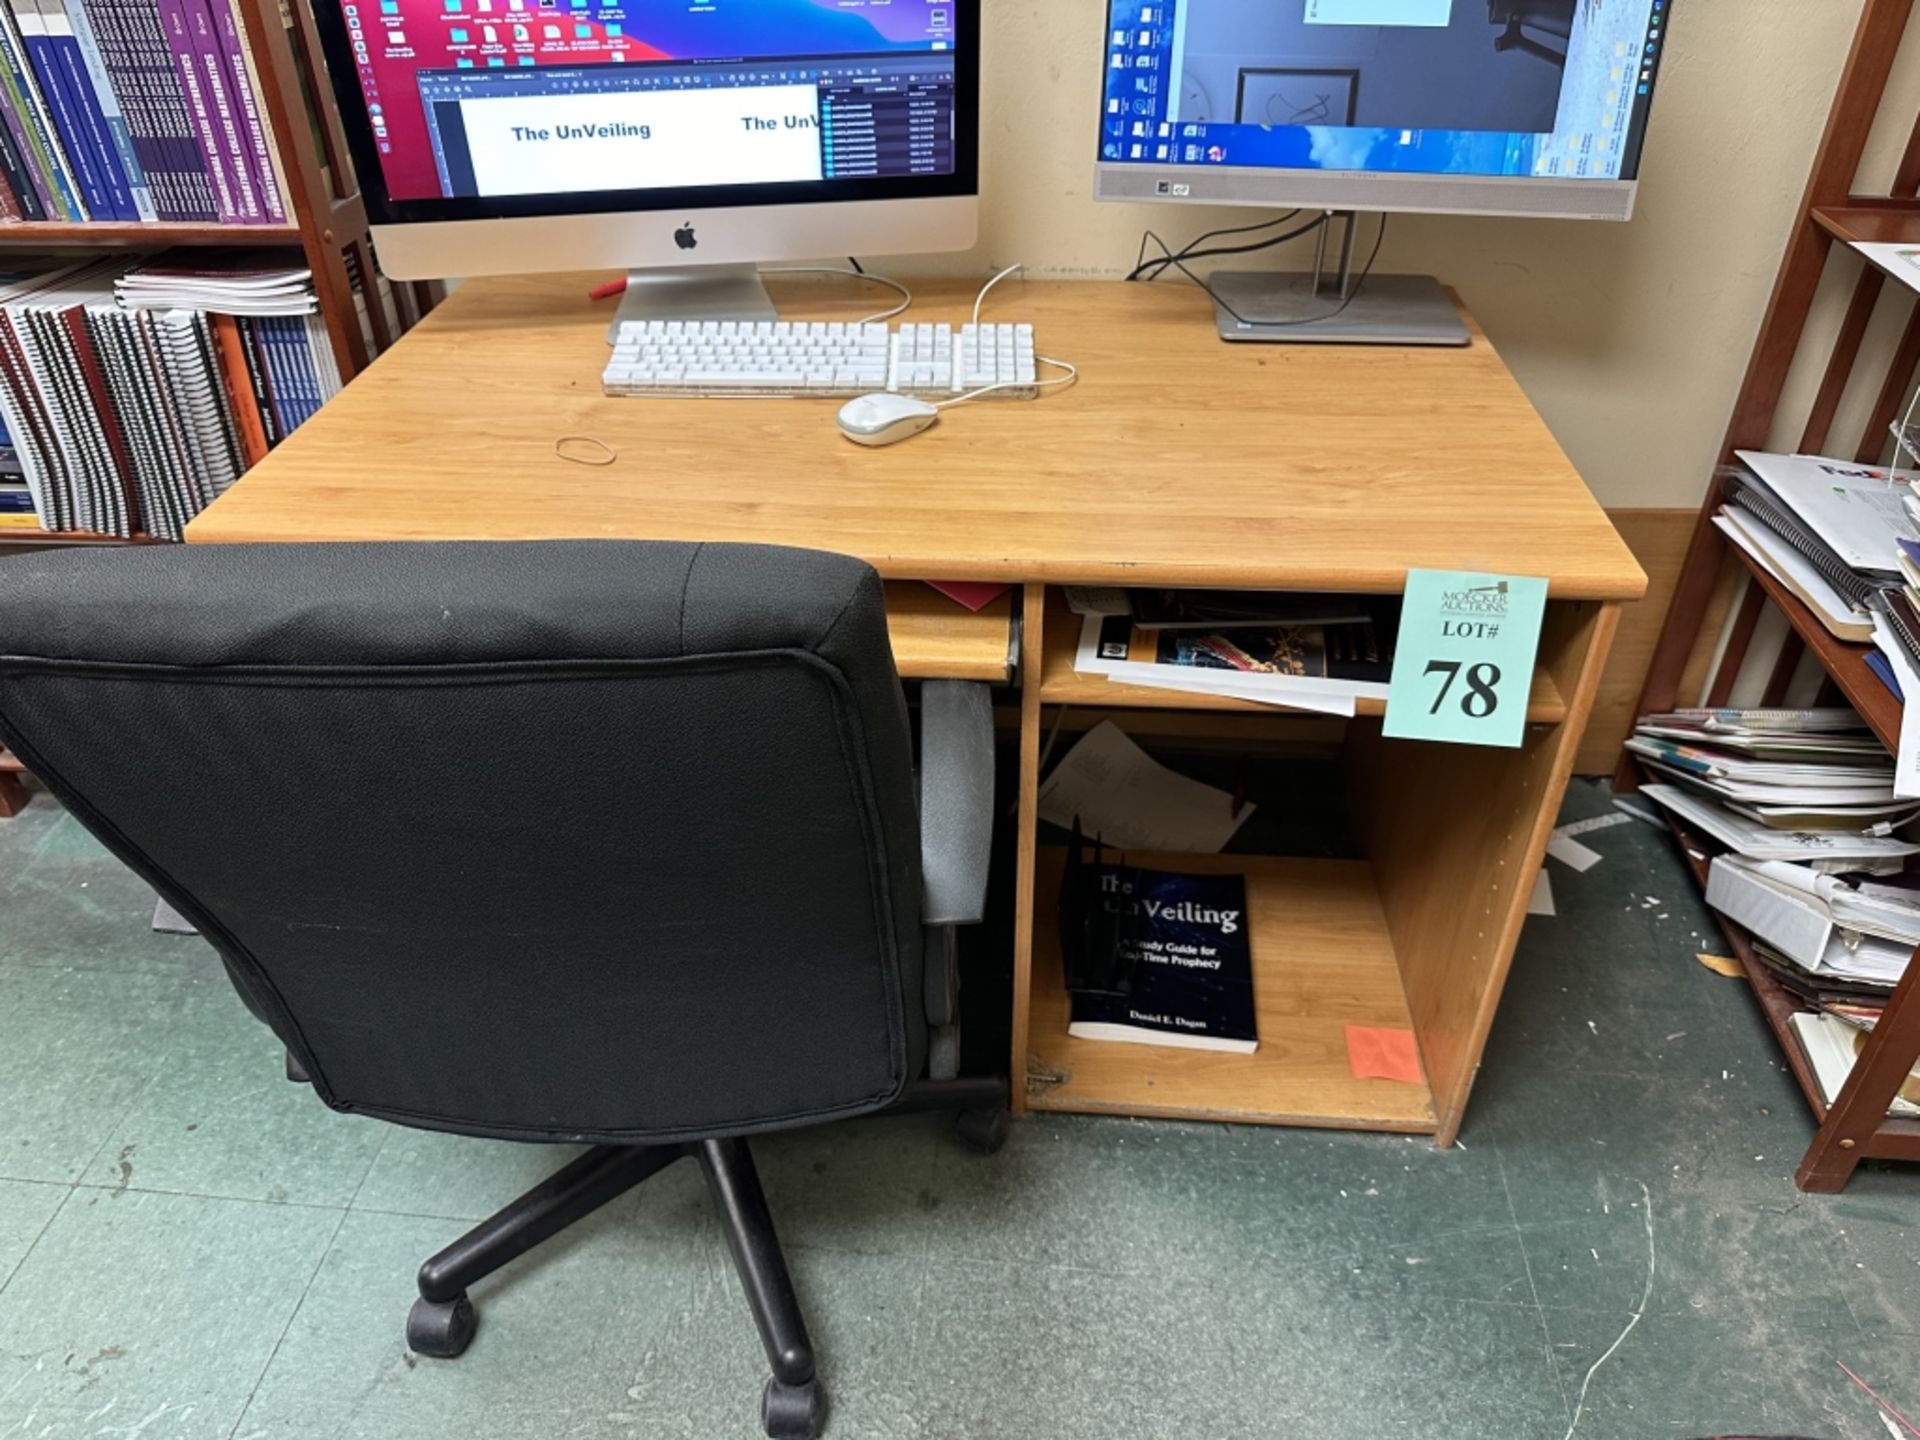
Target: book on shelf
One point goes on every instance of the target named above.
(133, 111)
(1180, 971)
(129, 410)
(1324, 663)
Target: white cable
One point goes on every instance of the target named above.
(1646, 1298)
(1073, 374)
(989, 285)
(906, 295)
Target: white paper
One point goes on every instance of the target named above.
(1587, 827)
(1264, 692)
(1572, 853)
(1906, 761)
(1542, 901)
(1902, 262)
(1759, 842)
(1854, 508)
(1127, 799)
(1097, 600)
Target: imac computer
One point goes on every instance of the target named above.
(1467, 107)
(687, 139)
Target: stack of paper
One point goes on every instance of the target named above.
(132, 396)
(1306, 652)
(1818, 770)
(1826, 529)
(1827, 852)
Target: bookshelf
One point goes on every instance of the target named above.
(327, 221)
(327, 224)
(1834, 213)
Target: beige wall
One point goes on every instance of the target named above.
(1630, 338)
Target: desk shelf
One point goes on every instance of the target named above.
(1323, 959)
(1413, 932)
(1061, 684)
(935, 638)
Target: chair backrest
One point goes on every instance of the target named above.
(610, 841)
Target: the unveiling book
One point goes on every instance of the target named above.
(1182, 942)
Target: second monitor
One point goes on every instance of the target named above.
(1481, 107)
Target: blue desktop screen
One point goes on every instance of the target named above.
(1441, 87)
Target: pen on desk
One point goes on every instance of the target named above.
(608, 290)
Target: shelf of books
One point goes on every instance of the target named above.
(1322, 961)
(135, 390)
(1797, 819)
(135, 113)
(190, 274)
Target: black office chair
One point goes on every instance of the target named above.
(596, 842)
(1517, 17)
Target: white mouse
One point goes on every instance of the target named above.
(882, 419)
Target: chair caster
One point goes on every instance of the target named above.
(985, 1130)
(441, 1330)
(793, 1412)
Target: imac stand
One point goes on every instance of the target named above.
(694, 292)
(1335, 306)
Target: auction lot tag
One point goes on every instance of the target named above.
(1463, 665)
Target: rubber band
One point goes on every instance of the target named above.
(609, 454)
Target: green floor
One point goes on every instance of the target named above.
(192, 1247)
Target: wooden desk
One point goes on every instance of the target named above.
(1175, 460)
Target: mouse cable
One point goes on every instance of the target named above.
(906, 295)
(1073, 371)
(1073, 374)
(1187, 251)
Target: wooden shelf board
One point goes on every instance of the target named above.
(28, 535)
(1888, 222)
(155, 232)
(1846, 663)
(1322, 960)
(1061, 684)
(938, 638)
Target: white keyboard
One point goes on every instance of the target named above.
(778, 357)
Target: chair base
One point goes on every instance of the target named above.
(793, 1405)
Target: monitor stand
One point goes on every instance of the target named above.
(1334, 306)
(694, 292)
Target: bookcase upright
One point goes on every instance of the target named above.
(1856, 1126)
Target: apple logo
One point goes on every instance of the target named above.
(685, 238)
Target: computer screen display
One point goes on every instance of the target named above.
(516, 103)
(1540, 88)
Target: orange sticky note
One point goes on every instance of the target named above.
(1374, 1054)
